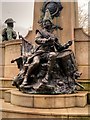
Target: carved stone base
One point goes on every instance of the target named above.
(48, 101)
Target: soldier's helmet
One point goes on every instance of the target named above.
(47, 16)
(9, 20)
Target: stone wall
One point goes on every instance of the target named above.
(82, 50)
(9, 50)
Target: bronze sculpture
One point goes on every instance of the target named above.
(51, 68)
(8, 33)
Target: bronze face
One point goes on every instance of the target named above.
(11, 25)
(47, 24)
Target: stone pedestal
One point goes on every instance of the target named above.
(48, 101)
(20, 105)
(12, 51)
(8, 50)
(82, 50)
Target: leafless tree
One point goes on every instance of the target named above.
(83, 16)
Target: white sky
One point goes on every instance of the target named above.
(82, 2)
(21, 12)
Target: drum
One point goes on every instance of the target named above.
(67, 62)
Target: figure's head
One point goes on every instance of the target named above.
(47, 24)
(10, 22)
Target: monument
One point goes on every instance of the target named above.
(51, 67)
(47, 80)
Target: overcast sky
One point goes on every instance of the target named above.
(21, 12)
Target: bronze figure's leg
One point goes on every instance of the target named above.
(30, 69)
(51, 62)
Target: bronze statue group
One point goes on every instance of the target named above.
(51, 67)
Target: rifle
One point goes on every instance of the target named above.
(53, 41)
(78, 84)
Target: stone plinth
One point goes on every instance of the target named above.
(7, 96)
(2, 92)
(82, 50)
(48, 101)
(12, 51)
(6, 82)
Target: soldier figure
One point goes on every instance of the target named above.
(8, 33)
(51, 69)
(49, 47)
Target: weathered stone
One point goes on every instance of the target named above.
(21, 99)
(80, 35)
(10, 71)
(6, 82)
(81, 53)
(48, 101)
(85, 72)
(81, 99)
(7, 96)
(2, 92)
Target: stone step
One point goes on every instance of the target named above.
(12, 111)
(2, 91)
(6, 82)
(7, 95)
(49, 101)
